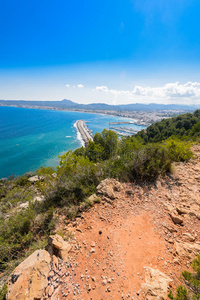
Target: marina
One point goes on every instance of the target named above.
(117, 123)
(129, 131)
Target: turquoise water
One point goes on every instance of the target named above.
(31, 138)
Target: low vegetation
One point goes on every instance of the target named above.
(184, 126)
(139, 158)
(191, 290)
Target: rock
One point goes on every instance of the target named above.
(182, 210)
(156, 284)
(58, 247)
(171, 229)
(195, 211)
(129, 192)
(94, 198)
(50, 291)
(3, 179)
(23, 206)
(55, 294)
(107, 188)
(51, 274)
(175, 218)
(187, 250)
(93, 244)
(36, 178)
(117, 185)
(104, 282)
(55, 262)
(33, 179)
(29, 279)
(38, 198)
(47, 290)
(188, 237)
(54, 175)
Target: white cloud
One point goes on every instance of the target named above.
(102, 88)
(75, 86)
(169, 91)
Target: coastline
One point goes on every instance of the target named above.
(124, 114)
(33, 132)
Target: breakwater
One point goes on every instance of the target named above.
(84, 131)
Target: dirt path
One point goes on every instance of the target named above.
(113, 243)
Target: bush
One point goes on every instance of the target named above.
(15, 235)
(178, 150)
(3, 292)
(150, 162)
(42, 171)
(192, 281)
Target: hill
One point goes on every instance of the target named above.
(181, 126)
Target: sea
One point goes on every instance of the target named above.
(31, 138)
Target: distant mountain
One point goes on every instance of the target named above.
(68, 104)
(154, 106)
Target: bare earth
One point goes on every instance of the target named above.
(115, 240)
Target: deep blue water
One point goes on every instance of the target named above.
(31, 138)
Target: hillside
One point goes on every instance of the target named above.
(138, 229)
(128, 212)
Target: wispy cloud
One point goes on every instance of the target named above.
(80, 86)
(189, 90)
(75, 86)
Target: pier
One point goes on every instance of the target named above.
(84, 131)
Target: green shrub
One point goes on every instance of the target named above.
(42, 171)
(22, 181)
(150, 162)
(181, 294)
(192, 281)
(178, 150)
(15, 196)
(3, 292)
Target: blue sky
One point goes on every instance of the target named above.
(121, 51)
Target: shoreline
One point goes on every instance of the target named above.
(103, 113)
(139, 117)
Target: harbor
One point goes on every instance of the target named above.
(85, 132)
(128, 131)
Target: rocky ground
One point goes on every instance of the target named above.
(134, 244)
